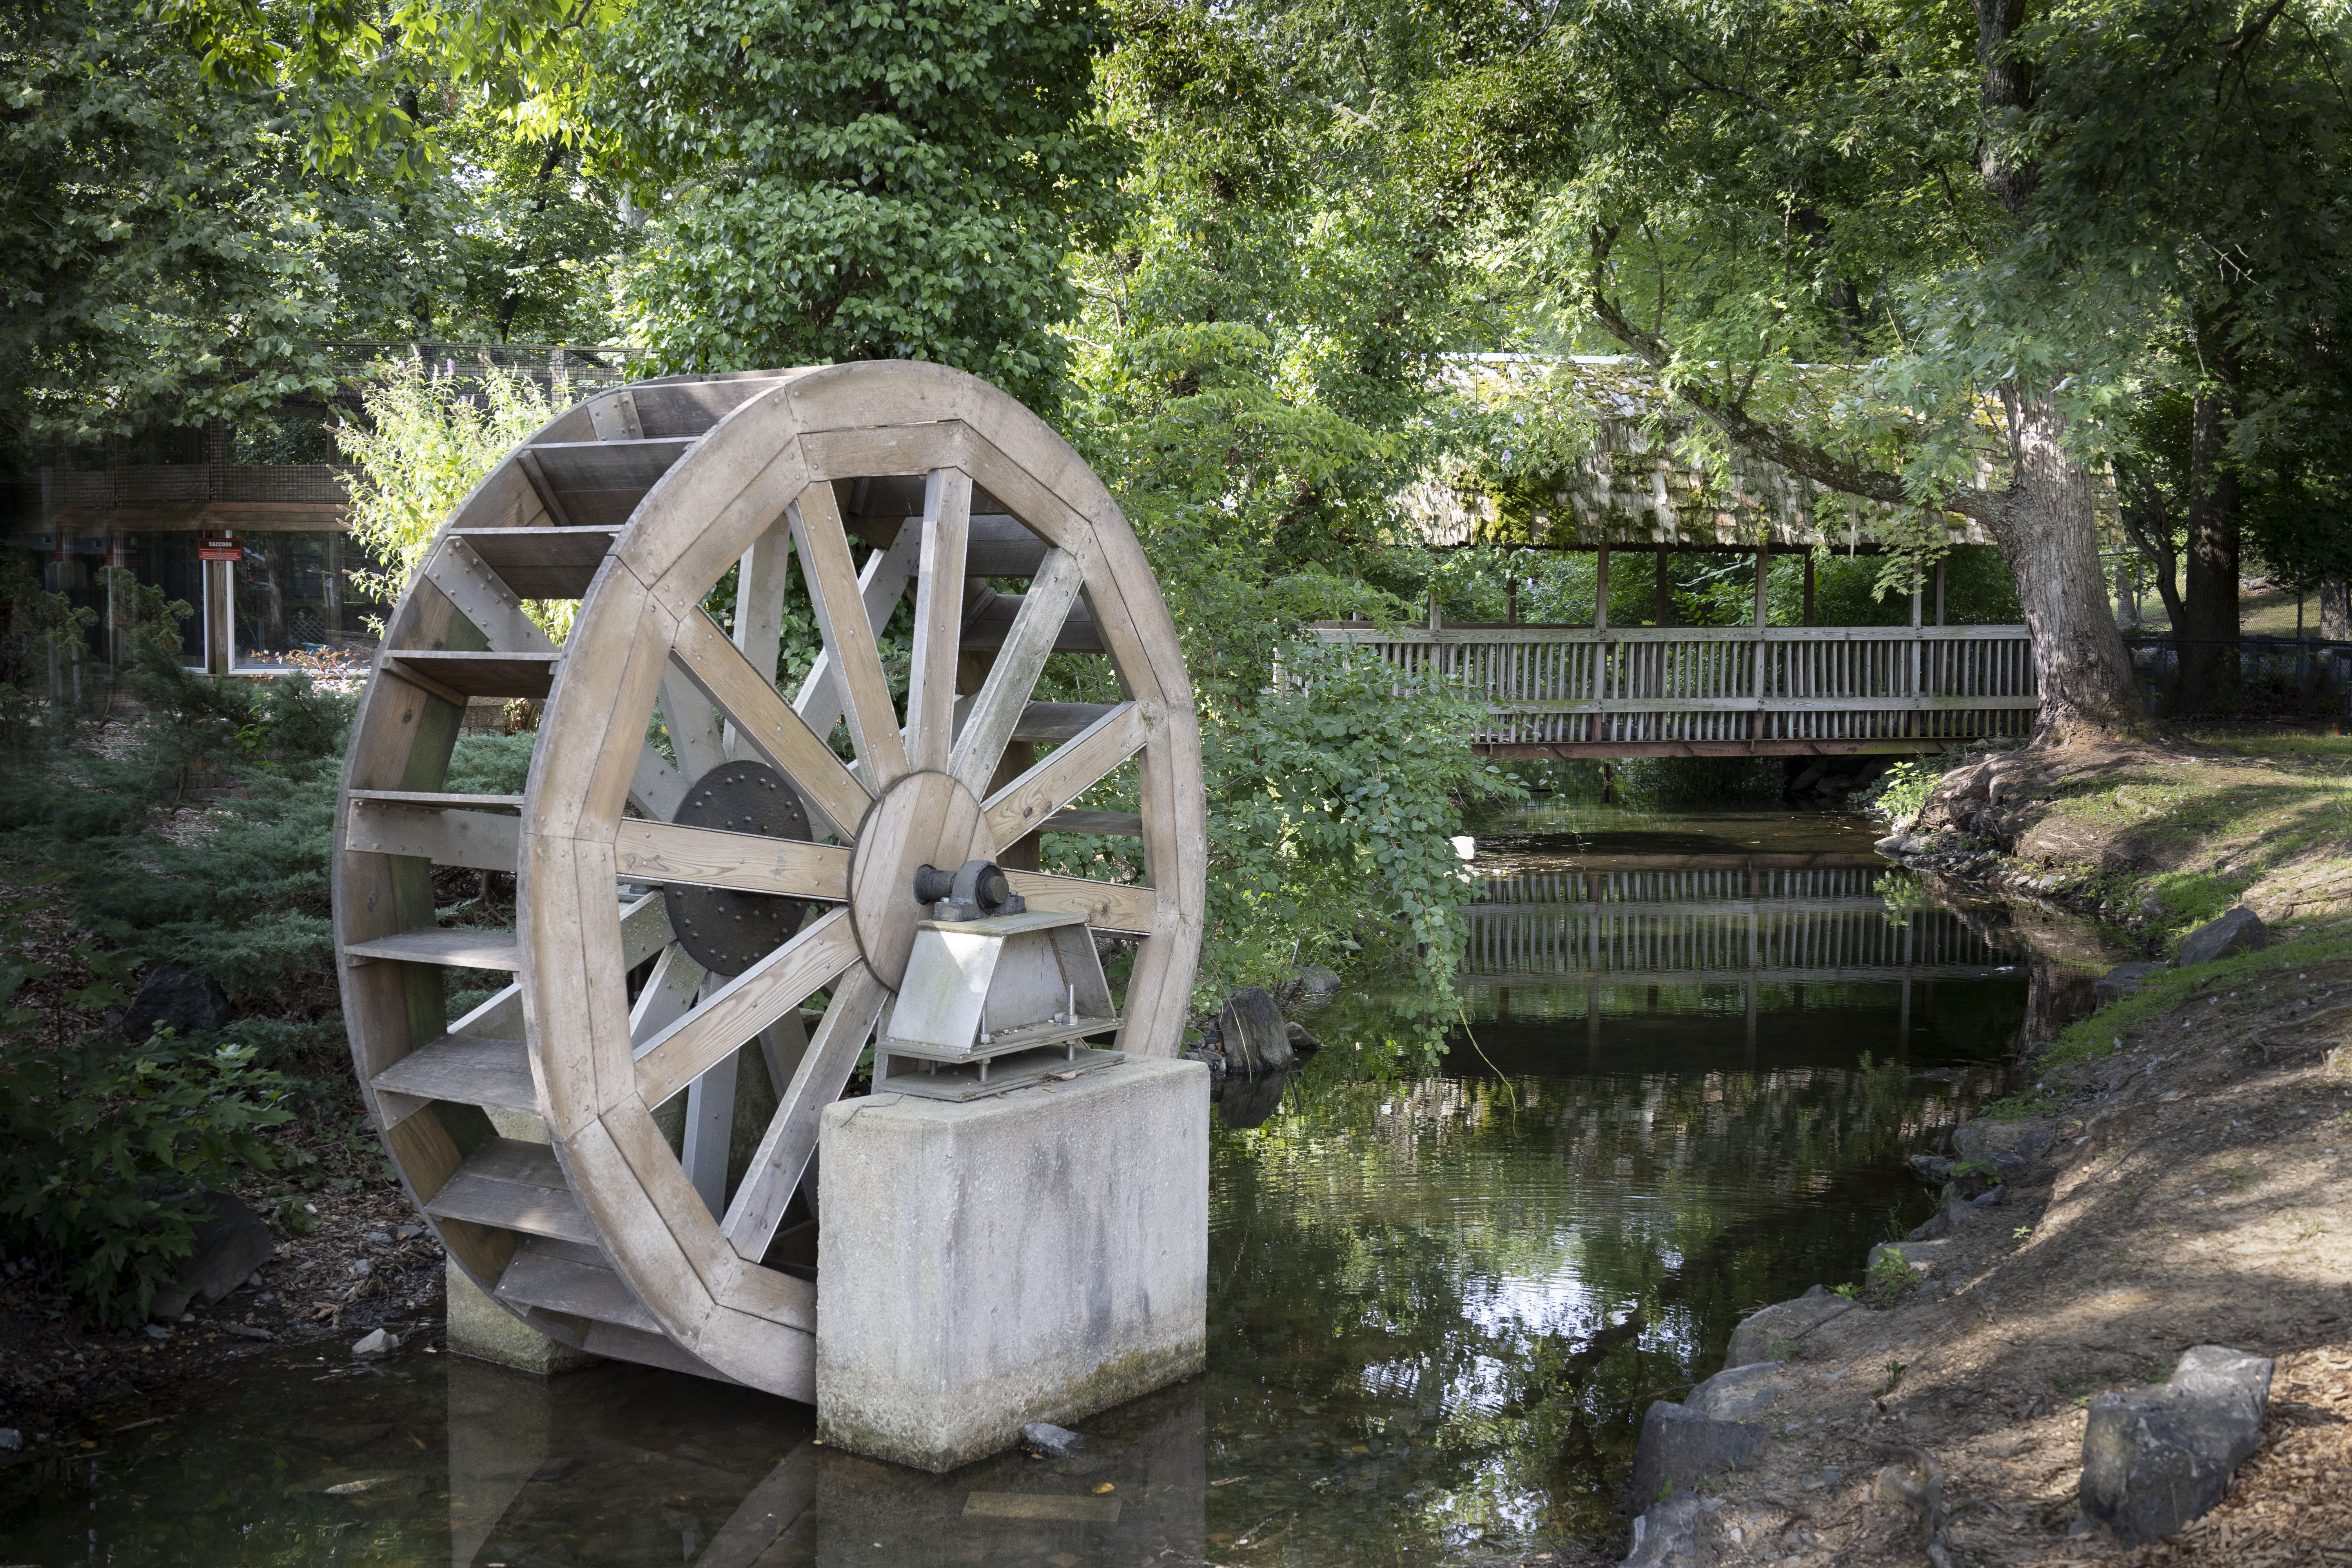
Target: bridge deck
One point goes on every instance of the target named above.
(1627, 691)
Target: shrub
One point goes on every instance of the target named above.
(106, 1152)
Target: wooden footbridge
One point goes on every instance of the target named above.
(1697, 691)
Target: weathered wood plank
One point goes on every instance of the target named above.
(711, 858)
(938, 616)
(790, 1141)
(494, 1074)
(1004, 696)
(767, 723)
(848, 637)
(502, 1184)
(743, 1006)
(477, 674)
(597, 484)
(456, 949)
(1067, 773)
(1111, 906)
(541, 1276)
(992, 622)
(538, 563)
(880, 584)
(485, 841)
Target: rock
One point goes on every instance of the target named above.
(1739, 1392)
(247, 1331)
(10, 1440)
(1255, 1038)
(382, 1342)
(1920, 1256)
(173, 998)
(1679, 1446)
(1318, 980)
(1672, 1534)
(2240, 930)
(554, 1469)
(1302, 1044)
(1985, 1138)
(1213, 1058)
(2154, 1459)
(1945, 1219)
(1788, 1322)
(229, 1246)
(1053, 1442)
(1932, 1169)
(1989, 1196)
(1895, 846)
(2122, 979)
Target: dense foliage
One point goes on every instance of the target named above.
(831, 181)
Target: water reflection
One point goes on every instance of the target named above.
(438, 1460)
(1438, 1305)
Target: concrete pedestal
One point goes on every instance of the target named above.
(1037, 1257)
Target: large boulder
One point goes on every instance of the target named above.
(1680, 1448)
(1255, 1038)
(2154, 1459)
(177, 999)
(1740, 1392)
(229, 1246)
(1785, 1324)
(2240, 930)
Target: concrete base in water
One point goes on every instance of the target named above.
(1034, 1257)
(480, 1327)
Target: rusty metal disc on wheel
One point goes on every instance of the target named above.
(725, 931)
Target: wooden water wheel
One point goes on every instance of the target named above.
(712, 904)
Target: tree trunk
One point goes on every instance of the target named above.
(2209, 652)
(2047, 534)
(2335, 610)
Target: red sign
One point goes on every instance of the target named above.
(220, 550)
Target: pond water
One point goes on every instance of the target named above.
(1696, 1053)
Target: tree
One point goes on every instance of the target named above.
(1761, 190)
(831, 181)
(154, 263)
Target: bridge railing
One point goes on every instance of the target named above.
(1578, 685)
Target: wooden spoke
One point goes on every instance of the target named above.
(657, 789)
(710, 1126)
(1067, 773)
(745, 1006)
(711, 858)
(881, 585)
(784, 1153)
(1112, 906)
(938, 619)
(1005, 693)
(768, 725)
(760, 608)
(692, 727)
(668, 992)
(848, 637)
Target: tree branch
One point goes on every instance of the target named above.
(1767, 439)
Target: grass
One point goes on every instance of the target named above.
(2096, 1036)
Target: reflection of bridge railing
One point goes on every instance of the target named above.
(1665, 929)
(1671, 691)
